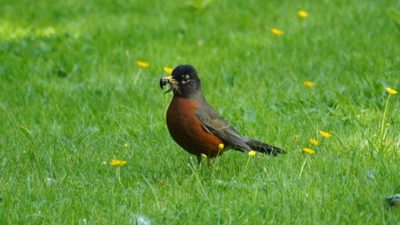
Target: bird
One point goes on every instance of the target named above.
(198, 128)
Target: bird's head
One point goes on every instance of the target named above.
(184, 81)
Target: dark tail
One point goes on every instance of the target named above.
(264, 148)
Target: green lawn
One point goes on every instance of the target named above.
(72, 98)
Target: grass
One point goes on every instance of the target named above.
(71, 99)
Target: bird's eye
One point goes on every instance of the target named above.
(185, 79)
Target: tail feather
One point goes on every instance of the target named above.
(264, 148)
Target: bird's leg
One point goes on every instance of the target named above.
(199, 160)
(209, 160)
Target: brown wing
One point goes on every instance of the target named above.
(213, 122)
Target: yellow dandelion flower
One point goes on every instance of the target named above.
(308, 151)
(309, 83)
(302, 14)
(168, 70)
(313, 141)
(142, 64)
(252, 153)
(277, 31)
(116, 162)
(325, 134)
(391, 91)
(221, 146)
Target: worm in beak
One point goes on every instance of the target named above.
(167, 80)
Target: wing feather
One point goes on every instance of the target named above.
(213, 123)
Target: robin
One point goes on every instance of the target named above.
(196, 126)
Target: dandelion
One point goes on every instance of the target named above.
(308, 151)
(325, 134)
(116, 162)
(313, 141)
(302, 14)
(309, 83)
(168, 70)
(142, 64)
(252, 153)
(221, 146)
(391, 91)
(277, 31)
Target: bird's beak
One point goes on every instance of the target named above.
(167, 80)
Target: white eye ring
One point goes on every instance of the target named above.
(185, 79)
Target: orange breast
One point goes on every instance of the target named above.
(187, 131)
